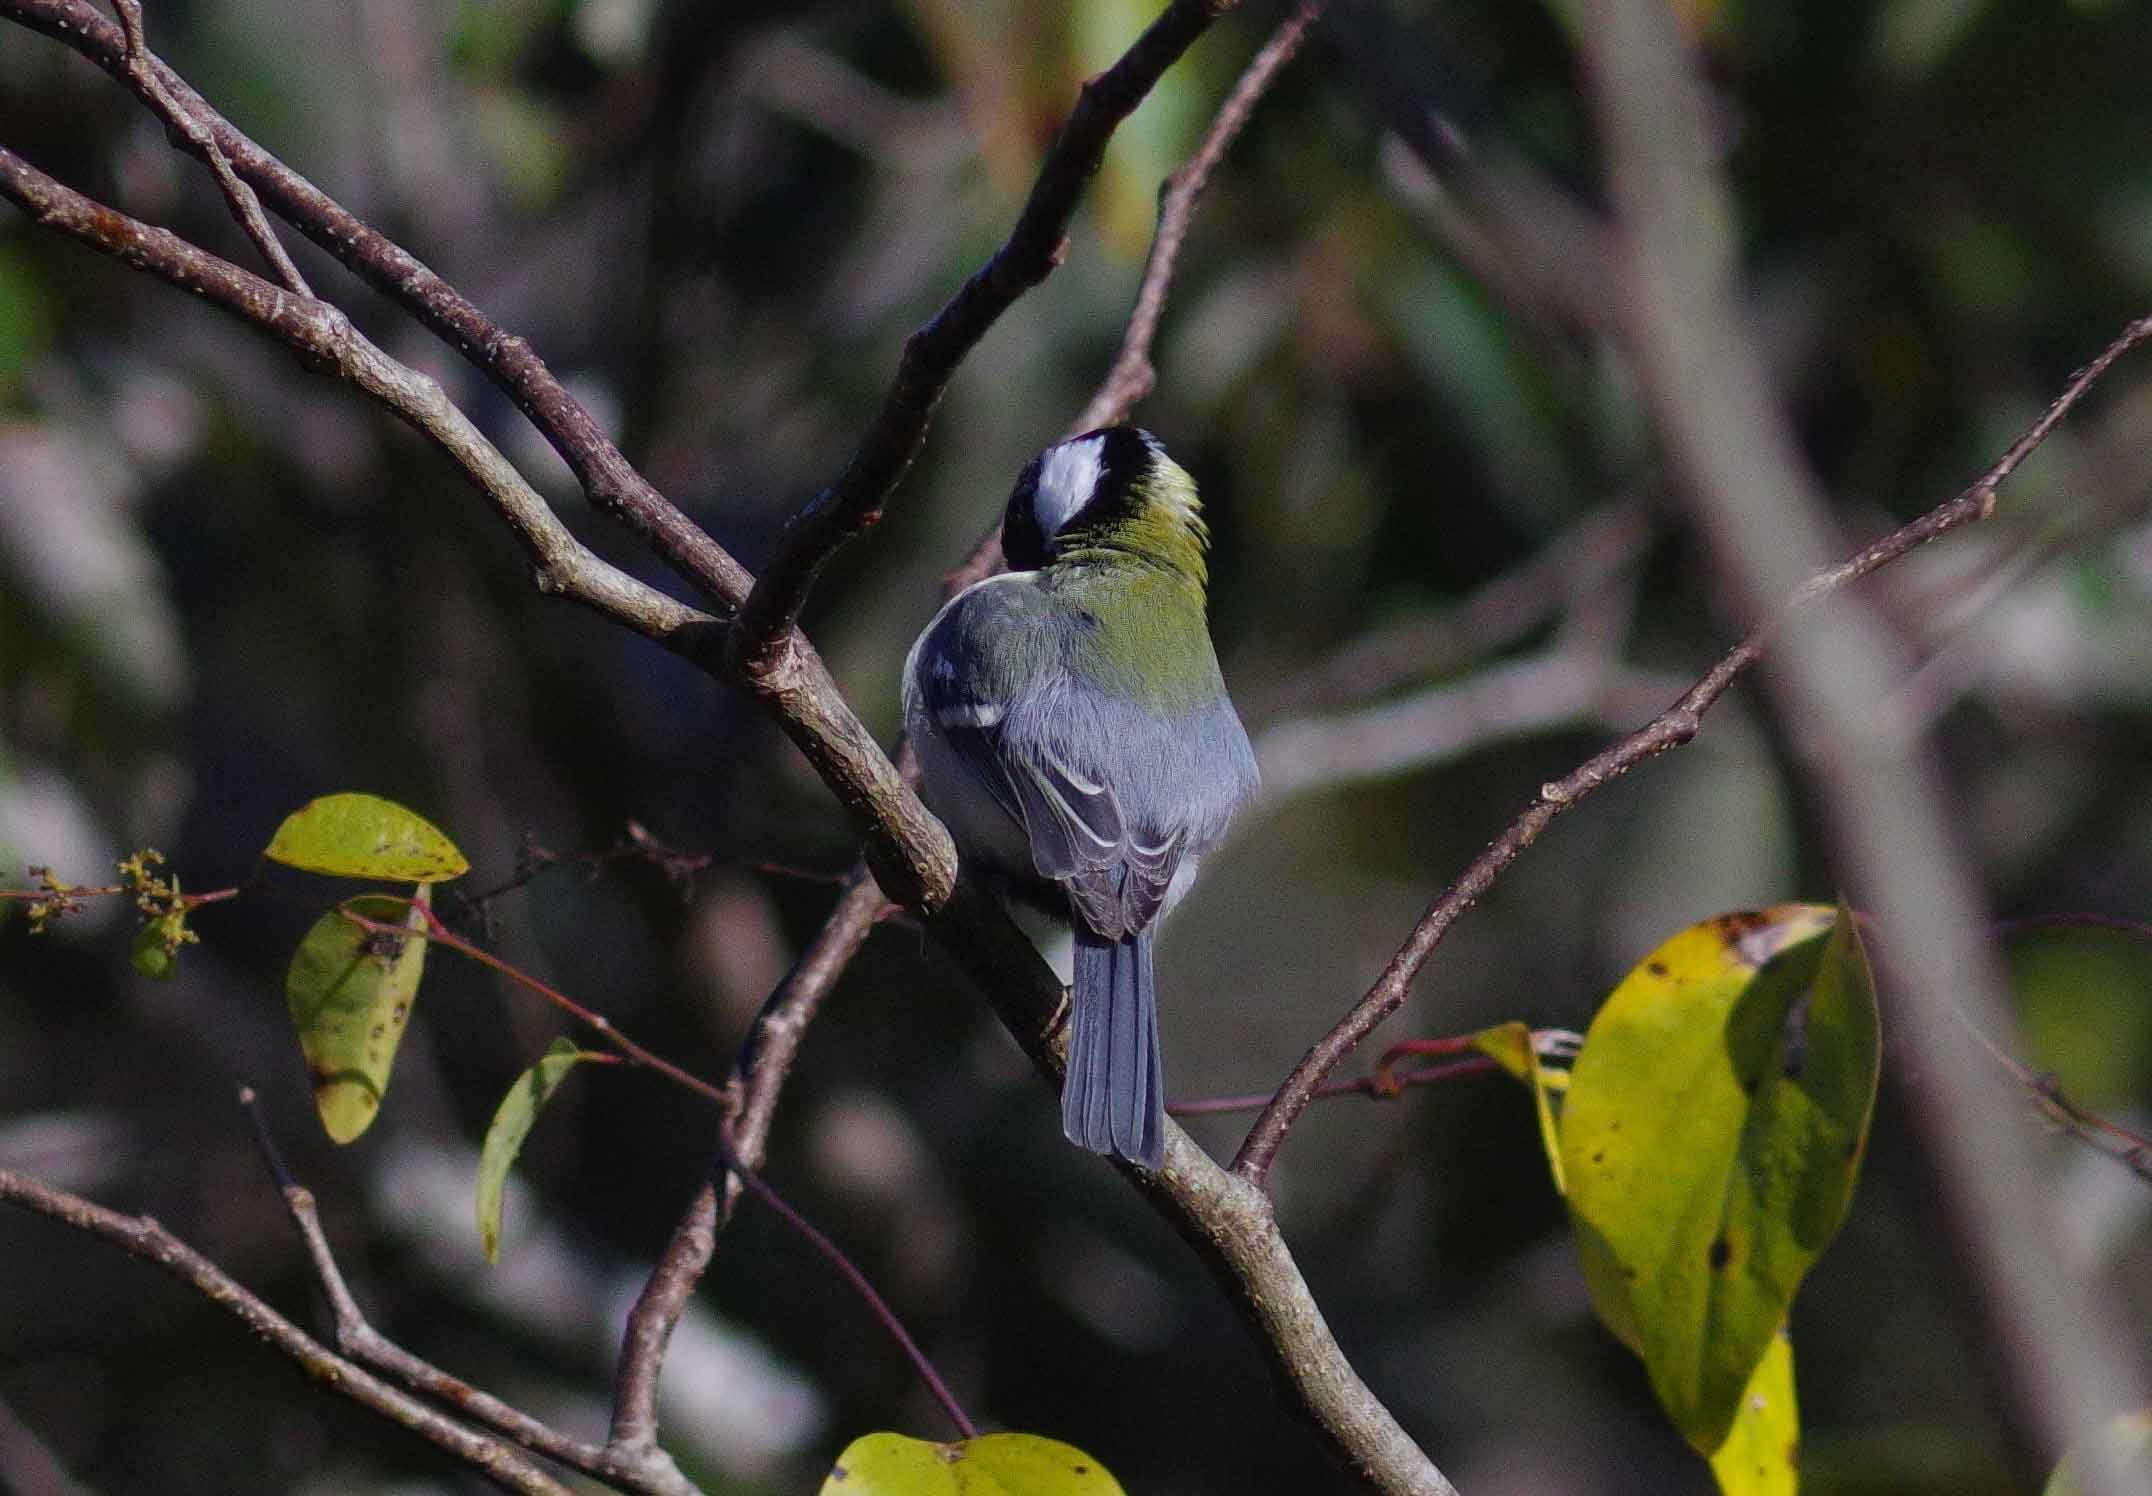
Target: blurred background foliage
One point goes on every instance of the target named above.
(1446, 569)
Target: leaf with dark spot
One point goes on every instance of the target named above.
(1737, 1067)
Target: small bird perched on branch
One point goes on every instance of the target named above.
(1075, 736)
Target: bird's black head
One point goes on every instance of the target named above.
(1087, 484)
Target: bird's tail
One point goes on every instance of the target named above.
(1114, 1099)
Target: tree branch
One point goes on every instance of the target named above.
(758, 1080)
(647, 1471)
(1228, 1222)
(1670, 729)
(1034, 247)
(139, 1236)
(325, 339)
(140, 69)
(1131, 375)
(909, 852)
(607, 477)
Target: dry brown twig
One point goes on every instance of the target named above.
(1033, 248)
(1130, 376)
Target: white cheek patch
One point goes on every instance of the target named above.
(1068, 476)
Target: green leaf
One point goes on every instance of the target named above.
(2128, 1437)
(1714, 1124)
(364, 836)
(152, 954)
(990, 1465)
(1762, 1454)
(1510, 1046)
(350, 992)
(512, 1122)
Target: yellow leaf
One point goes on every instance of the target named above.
(365, 836)
(1711, 1133)
(350, 991)
(1510, 1046)
(1762, 1454)
(990, 1465)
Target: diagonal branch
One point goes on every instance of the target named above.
(758, 1080)
(1670, 729)
(781, 1027)
(1131, 376)
(1228, 1222)
(140, 68)
(606, 475)
(1034, 247)
(324, 337)
(139, 1236)
(652, 1474)
(906, 847)
(357, 1338)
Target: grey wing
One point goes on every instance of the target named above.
(1116, 878)
(957, 685)
(1057, 759)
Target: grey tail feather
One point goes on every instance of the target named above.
(1114, 1099)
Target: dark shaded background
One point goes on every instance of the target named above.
(227, 586)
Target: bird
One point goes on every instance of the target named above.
(1074, 734)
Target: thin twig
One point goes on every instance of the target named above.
(2130, 1148)
(635, 844)
(1375, 1088)
(612, 483)
(139, 67)
(790, 1007)
(1132, 375)
(1036, 244)
(1670, 729)
(142, 1237)
(325, 337)
(1228, 1222)
(1128, 378)
(2133, 1150)
(649, 1472)
(835, 1256)
(758, 1079)
(1176, 210)
(437, 933)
